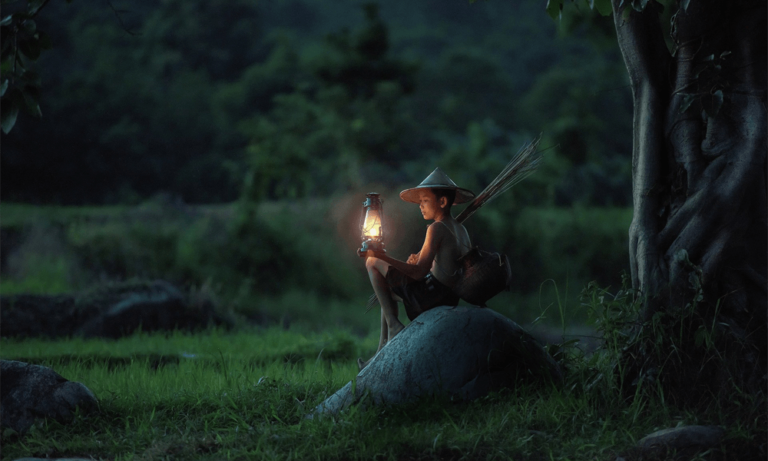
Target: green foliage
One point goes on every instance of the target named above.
(575, 244)
(249, 254)
(295, 260)
(252, 101)
(685, 356)
(315, 140)
(22, 44)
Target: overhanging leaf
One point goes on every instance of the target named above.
(6, 65)
(684, 4)
(10, 112)
(29, 26)
(603, 7)
(4, 87)
(625, 14)
(639, 5)
(554, 8)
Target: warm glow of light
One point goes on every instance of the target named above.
(372, 226)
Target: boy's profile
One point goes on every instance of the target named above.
(426, 279)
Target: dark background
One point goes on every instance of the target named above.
(206, 100)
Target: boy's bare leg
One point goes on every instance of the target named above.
(390, 324)
(384, 335)
(377, 269)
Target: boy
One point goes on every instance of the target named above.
(425, 280)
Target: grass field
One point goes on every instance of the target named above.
(244, 395)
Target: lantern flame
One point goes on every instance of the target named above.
(372, 226)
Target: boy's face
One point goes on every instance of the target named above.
(428, 204)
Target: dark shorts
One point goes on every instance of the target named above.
(420, 295)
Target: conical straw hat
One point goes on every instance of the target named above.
(437, 180)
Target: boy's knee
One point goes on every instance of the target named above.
(370, 263)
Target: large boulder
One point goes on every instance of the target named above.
(109, 311)
(460, 352)
(31, 392)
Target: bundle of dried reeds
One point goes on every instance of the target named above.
(520, 167)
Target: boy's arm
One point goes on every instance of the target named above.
(426, 255)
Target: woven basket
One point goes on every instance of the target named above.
(485, 275)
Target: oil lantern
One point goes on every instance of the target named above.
(372, 224)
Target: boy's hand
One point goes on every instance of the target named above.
(413, 259)
(375, 253)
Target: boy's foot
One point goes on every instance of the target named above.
(362, 364)
(393, 331)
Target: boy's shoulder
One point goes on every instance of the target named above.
(445, 227)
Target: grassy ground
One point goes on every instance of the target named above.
(244, 395)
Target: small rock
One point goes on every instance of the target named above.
(462, 352)
(29, 392)
(685, 441)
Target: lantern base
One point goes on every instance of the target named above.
(372, 245)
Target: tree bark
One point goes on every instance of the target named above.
(699, 231)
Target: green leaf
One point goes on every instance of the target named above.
(555, 8)
(29, 26)
(603, 7)
(724, 54)
(4, 86)
(625, 14)
(7, 20)
(6, 66)
(10, 112)
(639, 5)
(684, 4)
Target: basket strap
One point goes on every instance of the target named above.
(454, 235)
(459, 270)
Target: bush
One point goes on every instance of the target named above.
(564, 244)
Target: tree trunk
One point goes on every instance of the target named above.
(698, 238)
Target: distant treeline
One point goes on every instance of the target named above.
(211, 100)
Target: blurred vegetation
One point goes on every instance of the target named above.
(228, 145)
(294, 261)
(208, 100)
